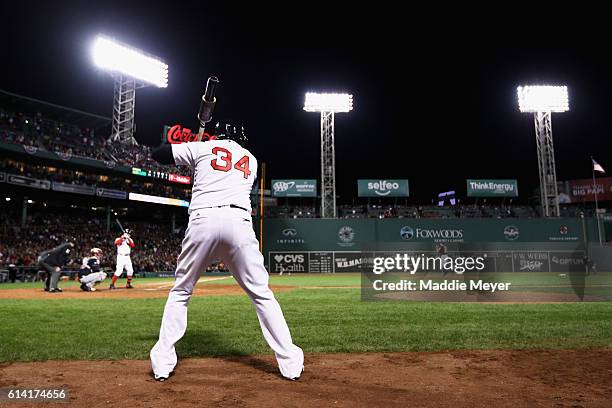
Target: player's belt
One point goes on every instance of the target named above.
(230, 206)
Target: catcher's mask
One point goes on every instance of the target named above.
(225, 130)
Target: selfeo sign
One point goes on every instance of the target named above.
(382, 188)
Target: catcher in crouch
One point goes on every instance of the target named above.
(91, 273)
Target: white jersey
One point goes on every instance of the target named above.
(123, 246)
(224, 173)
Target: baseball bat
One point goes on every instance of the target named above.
(208, 103)
(120, 226)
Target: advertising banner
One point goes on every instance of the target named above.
(158, 200)
(492, 188)
(73, 188)
(578, 191)
(364, 261)
(108, 193)
(382, 188)
(28, 182)
(294, 188)
(177, 178)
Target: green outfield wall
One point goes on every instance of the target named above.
(509, 244)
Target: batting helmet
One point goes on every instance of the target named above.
(230, 131)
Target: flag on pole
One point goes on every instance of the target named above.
(597, 166)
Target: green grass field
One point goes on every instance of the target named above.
(327, 316)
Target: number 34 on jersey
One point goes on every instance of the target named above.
(223, 162)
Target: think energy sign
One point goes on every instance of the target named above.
(492, 188)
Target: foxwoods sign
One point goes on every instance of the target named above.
(382, 188)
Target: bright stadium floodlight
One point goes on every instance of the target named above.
(113, 56)
(132, 69)
(328, 104)
(542, 101)
(543, 98)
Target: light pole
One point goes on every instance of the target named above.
(328, 104)
(132, 69)
(542, 101)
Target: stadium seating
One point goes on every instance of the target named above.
(47, 134)
(157, 247)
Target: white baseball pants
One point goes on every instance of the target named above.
(124, 262)
(93, 278)
(224, 233)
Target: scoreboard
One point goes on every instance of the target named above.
(175, 178)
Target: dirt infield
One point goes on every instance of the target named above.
(145, 290)
(534, 378)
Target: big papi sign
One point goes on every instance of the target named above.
(577, 191)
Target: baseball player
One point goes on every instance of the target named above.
(52, 262)
(284, 268)
(220, 227)
(442, 254)
(91, 274)
(124, 245)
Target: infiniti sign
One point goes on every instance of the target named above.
(290, 232)
(290, 236)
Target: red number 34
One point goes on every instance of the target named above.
(226, 156)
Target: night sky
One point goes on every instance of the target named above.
(434, 95)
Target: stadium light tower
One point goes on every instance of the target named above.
(542, 101)
(132, 69)
(328, 104)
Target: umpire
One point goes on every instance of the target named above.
(52, 262)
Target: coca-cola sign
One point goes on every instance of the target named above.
(178, 134)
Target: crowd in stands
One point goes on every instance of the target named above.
(70, 140)
(157, 247)
(291, 212)
(70, 176)
(408, 211)
(432, 211)
(140, 156)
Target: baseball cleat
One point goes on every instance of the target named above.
(298, 377)
(55, 290)
(92, 289)
(111, 287)
(129, 286)
(160, 378)
(85, 288)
